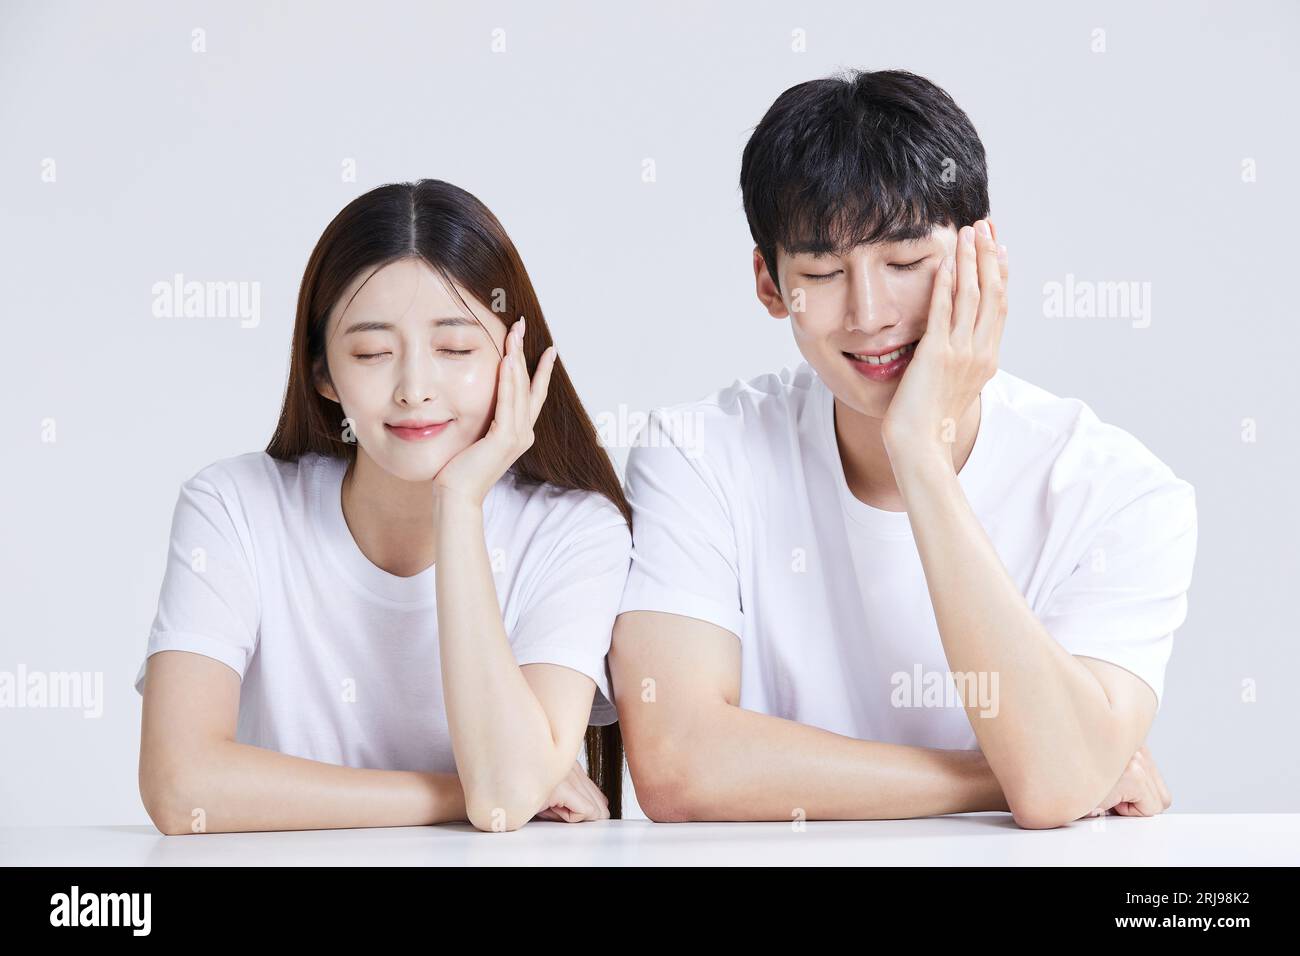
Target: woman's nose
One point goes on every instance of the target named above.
(419, 381)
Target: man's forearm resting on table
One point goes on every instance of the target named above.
(735, 764)
(227, 786)
(1056, 744)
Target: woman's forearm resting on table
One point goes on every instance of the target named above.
(226, 786)
(194, 776)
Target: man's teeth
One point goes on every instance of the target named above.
(887, 358)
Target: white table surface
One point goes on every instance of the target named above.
(1170, 839)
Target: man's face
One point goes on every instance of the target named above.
(848, 308)
(404, 351)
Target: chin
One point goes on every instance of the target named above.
(412, 463)
(420, 472)
(866, 398)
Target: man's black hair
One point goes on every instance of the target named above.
(860, 157)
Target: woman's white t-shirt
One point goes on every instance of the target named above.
(742, 517)
(338, 657)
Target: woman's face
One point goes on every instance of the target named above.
(404, 353)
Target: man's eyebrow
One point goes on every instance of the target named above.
(375, 326)
(818, 250)
(808, 248)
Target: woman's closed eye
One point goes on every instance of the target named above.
(374, 355)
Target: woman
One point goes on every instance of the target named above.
(398, 613)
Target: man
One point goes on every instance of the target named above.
(896, 581)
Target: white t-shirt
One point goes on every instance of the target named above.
(742, 517)
(338, 657)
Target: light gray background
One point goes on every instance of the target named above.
(225, 165)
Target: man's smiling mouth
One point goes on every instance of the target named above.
(883, 358)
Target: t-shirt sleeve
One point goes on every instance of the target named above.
(684, 553)
(209, 600)
(1128, 593)
(569, 615)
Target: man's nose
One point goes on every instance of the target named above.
(871, 306)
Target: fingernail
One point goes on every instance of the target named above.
(1002, 253)
(949, 263)
(983, 228)
(968, 235)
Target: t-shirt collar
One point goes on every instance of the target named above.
(415, 591)
(973, 477)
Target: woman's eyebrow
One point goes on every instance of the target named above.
(375, 326)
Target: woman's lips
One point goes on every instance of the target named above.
(417, 434)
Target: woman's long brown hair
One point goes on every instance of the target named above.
(462, 240)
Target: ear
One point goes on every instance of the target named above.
(321, 381)
(766, 289)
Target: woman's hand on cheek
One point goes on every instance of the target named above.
(472, 472)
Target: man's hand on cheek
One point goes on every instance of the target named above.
(957, 354)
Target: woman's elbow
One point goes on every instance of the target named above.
(503, 809)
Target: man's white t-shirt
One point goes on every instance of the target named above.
(742, 517)
(338, 657)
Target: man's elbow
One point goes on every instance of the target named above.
(167, 800)
(1040, 816)
(1041, 800)
(665, 806)
(666, 785)
(1046, 809)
